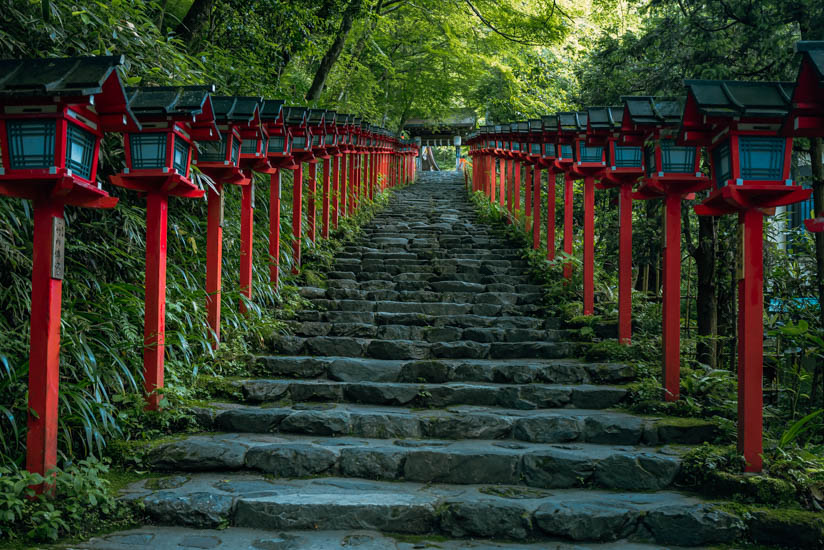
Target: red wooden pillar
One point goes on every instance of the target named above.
(750, 338)
(311, 204)
(326, 177)
(536, 208)
(550, 214)
(214, 258)
(350, 188)
(336, 189)
(516, 188)
(625, 264)
(672, 296)
(504, 163)
(154, 328)
(527, 194)
(247, 220)
(568, 192)
(589, 245)
(44, 358)
(297, 213)
(274, 226)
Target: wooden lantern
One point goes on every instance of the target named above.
(295, 120)
(624, 166)
(279, 157)
(739, 123)
(53, 113)
(158, 158)
(672, 172)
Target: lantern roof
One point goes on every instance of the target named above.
(604, 118)
(651, 111)
(573, 121)
(330, 117)
(535, 125)
(241, 109)
(272, 110)
(813, 51)
(192, 103)
(522, 126)
(499, 128)
(294, 116)
(740, 99)
(89, 80)
(315, 116)
(550, 123)
(342, 119)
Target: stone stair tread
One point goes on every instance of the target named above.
(522, 396)
(429, 320)
(513, 371)
(539, 465)
(458, 422)
(235, 538)
(494, 511)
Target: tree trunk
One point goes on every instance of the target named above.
(196, 18)
(334, 51)
(707, 294)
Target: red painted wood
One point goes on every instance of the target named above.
(536, 208)
(350, 188)
(297, 213)
(336, 191)
(274, 226)
(516, 188)
(568, 192)
(504, 183)
(311, 203)
(44, 354)
(326, 181)
(550, 214)
(671, 307)
(154, 323)
(247, 221)
(589, 245)
(750, 339)
(625, 264)
(527, 194)
(214, 259)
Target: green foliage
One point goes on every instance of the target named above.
(79, 502)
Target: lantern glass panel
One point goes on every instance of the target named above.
(250, 146)
(516, 146)
(299, 142)
(79, 150)
(762, 158)
(276, 144)
(549, 150)
(588, 153)
(212, 151)
(500, 145)
(564, 151)
(627, 157)
(235, 151)
(181, 160)
(330, 139)
(31, 143)
(677, 159)
(649, 160)
(536, 149)
(148, 150)
(721, 164)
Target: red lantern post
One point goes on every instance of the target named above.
(549, 138)
(625, 165)
(158, 159)
(316, 121)
(739, 123)
(535, 146)
(53, 113)
(220, 160)
(567, 126)
(672, 172)
(302, 152)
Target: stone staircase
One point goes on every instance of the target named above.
(425, 402)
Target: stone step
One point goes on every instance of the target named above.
(431, 308)
(514, 396)
(235, 538)
(502, 371)
(428, 277)
(411, 349)
(544, 466)
(424, 334)
(445, 287)
(422, 296)
(458, 422)
(423, 320)
(497, 511)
